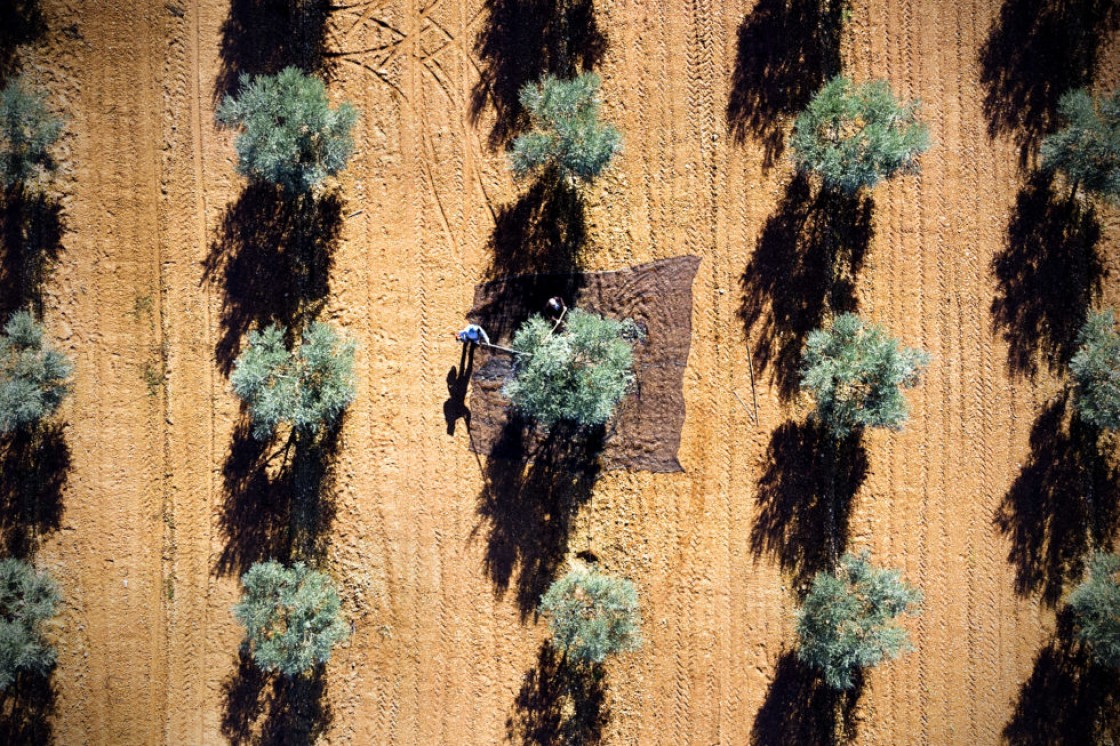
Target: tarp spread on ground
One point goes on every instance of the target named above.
(645, 432)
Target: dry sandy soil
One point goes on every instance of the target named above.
(971, 501)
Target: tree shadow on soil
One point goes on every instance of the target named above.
(560, 703)
(523, 40)
(801, 709)
(262, 37)
(533, 490)
(279, 501)
(272, 710)
(788, 49)
(1068, 699)
(273, 257)
(1047, 275)
(35, 465)
(1063, 503)
(805, 496)
(544, 234)
(21, 22)
(26, 709)
(31, 229)
(1036, 51)
(803, 268)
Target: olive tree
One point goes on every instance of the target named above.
(566, 133)
(592, 615)
(28, 129)
(1096, 605)
(292, 616)
(854, 136)
(847, 621)
(1087, 149)
(28, 598)
(308, 388)
(34, 378)
(577, 372)
(1095, 368)
(289, 133)
(857, 373)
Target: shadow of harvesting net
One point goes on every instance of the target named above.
(805, 496)
(35, 465)
(1047, 276)
(804, 266)
(1068, 699)
(801, 709)
(1063, 503)
(31, 230)
(1036, 51)
(520, 41)
(787, 50)
(26, 709)
(262, 37)
(531, 496)
(272, 257)
(262, 709)
(279, 502)
(560, 704)
(21, 22)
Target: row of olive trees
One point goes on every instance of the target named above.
(1086, 153)
(574, 372)
(297, 383)
(850, 137)
(34, 377)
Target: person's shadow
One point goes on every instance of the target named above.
(458, 381)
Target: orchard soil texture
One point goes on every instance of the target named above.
(166, 257)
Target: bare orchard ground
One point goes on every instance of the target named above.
(153, 533)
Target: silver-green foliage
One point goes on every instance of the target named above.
(1087, 150)
(1096, 371)
(578, 374)
(34, 378)
(854, 136)
(28, 129)
(308, 387)
(28, 598)
(566, 132)
(856, 374)
(292, 616)
(592, 615)
(289, 135)
(847, 621)
(1096, 604)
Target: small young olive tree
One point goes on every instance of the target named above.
(577, 373)
(307, 388)
(1087, 150)
(566, 133)
(33, 377)
(292, 617)
(289, 135)
(28, 129)
(856, 374)
(854, 136)
(1096, 604)
(28, 598)
(1095, 368)
(847, 621)
(592, 615)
